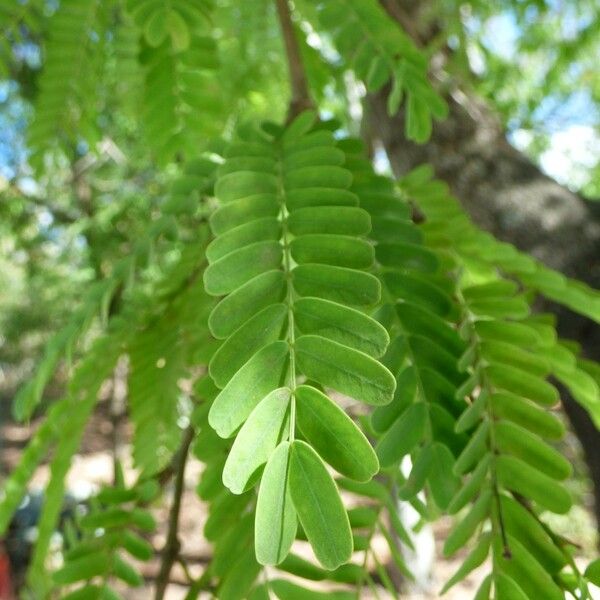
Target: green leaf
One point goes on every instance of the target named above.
(313, 157)
(137, 546)
(256, 440)
(518, 476)
(241, 184)
(319, 196)
(474, 450)
(334, 435)
(319, 176)
(344, 369)
(257, 378)
(403, 435)
(518, 334)
(340, 220)
(125, 572)
(383, 417)
(234, 310)
(81, 569)
(501, 308)
(88, 592)
(508, 589)
(470, 489)
(515, 440)
(276, 523)
(267, 228)
(418, 474)
(418, 122)
(406, 256)
(378, 75)
(522, 568)
(338, 284)
(236, 214)
(340, 324)
(418, 290)
(463, 531)
(247, 149)
(471, 562)
(303, 568)
(511, 355)
(418, 321)
(428, 354)
(178, 30)
(240, 266)
(523, 412)
(592, 572)
(584, 390)
(395, 96)
(339, 250)
(442, 481)
(532, 534)
(260, 164)
(262, 329)
(483, 593)
(493, 289)
(519, 382)
(473, 414)
(286, 590)
(319, 507)
(240, 577)
(260, 592)
(155, 30)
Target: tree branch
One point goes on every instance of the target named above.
(172, 546)
(300, 96)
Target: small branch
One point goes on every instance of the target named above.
(300, 96)
(172, 546)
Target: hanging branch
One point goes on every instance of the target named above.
(300, 96)
(172, 546)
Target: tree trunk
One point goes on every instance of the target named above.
(506, 194)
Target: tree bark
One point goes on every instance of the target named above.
(506, 194)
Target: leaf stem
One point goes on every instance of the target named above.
(172, 546)
(287, 267)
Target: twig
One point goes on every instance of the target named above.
(300, 96)
(172, 546)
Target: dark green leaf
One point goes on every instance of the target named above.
(403, 435)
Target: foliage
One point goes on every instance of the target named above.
(315, 323)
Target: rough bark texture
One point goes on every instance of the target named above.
(506, 194)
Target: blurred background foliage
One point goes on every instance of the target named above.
(74, 200)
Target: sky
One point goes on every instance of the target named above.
(571, 124)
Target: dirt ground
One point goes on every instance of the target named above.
(93, 467)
